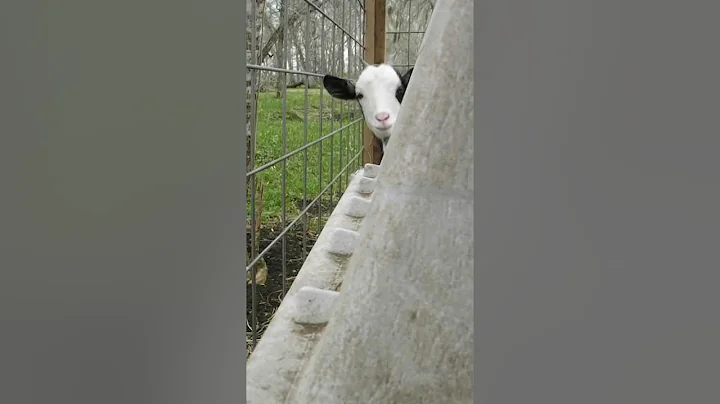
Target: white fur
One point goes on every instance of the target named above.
(378, 84)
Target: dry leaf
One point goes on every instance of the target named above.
(261, 273)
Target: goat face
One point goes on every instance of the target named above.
(379, 90)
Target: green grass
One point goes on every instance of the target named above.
(269, 146)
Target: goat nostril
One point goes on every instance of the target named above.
(382, 116)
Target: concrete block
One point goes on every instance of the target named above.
(366, 185)
(357, 207)
(341, 241)
(312, 305)
(371, 170)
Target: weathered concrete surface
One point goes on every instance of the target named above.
(300, 319)
(401, 331)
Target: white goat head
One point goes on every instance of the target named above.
(379, 90)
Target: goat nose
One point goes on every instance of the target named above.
(382, 116)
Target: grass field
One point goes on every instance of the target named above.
(325, 159)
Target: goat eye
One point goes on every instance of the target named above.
(359, 96)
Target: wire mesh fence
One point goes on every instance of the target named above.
(406, 23)
(302, 143)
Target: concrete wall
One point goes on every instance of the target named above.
(402, 331)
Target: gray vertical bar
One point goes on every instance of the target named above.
(351, 72)
(332, 109)
(597, 182)
(344, 103)
(123, 134)
(409, 35)
(253, 128)
(283, 193)
(353, 63)
(364, 55)
(320, 129)
(305, 133)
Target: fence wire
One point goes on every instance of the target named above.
(406, 22)
(302, 143)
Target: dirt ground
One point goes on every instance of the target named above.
(270, 295)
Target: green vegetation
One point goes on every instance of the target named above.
(269, 146)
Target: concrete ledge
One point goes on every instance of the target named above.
(366, 185)
(371, 170)
(301, 317)
(312, 305)
(342, 241)
(357, 207)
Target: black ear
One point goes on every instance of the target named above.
(342, 89)
(405, 78)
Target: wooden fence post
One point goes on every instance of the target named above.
(375, 12)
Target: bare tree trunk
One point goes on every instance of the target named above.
(310, 52)
(280, 49)
(301, 61)
(254, 27)
(293, 20)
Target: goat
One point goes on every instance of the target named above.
(379, 90)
